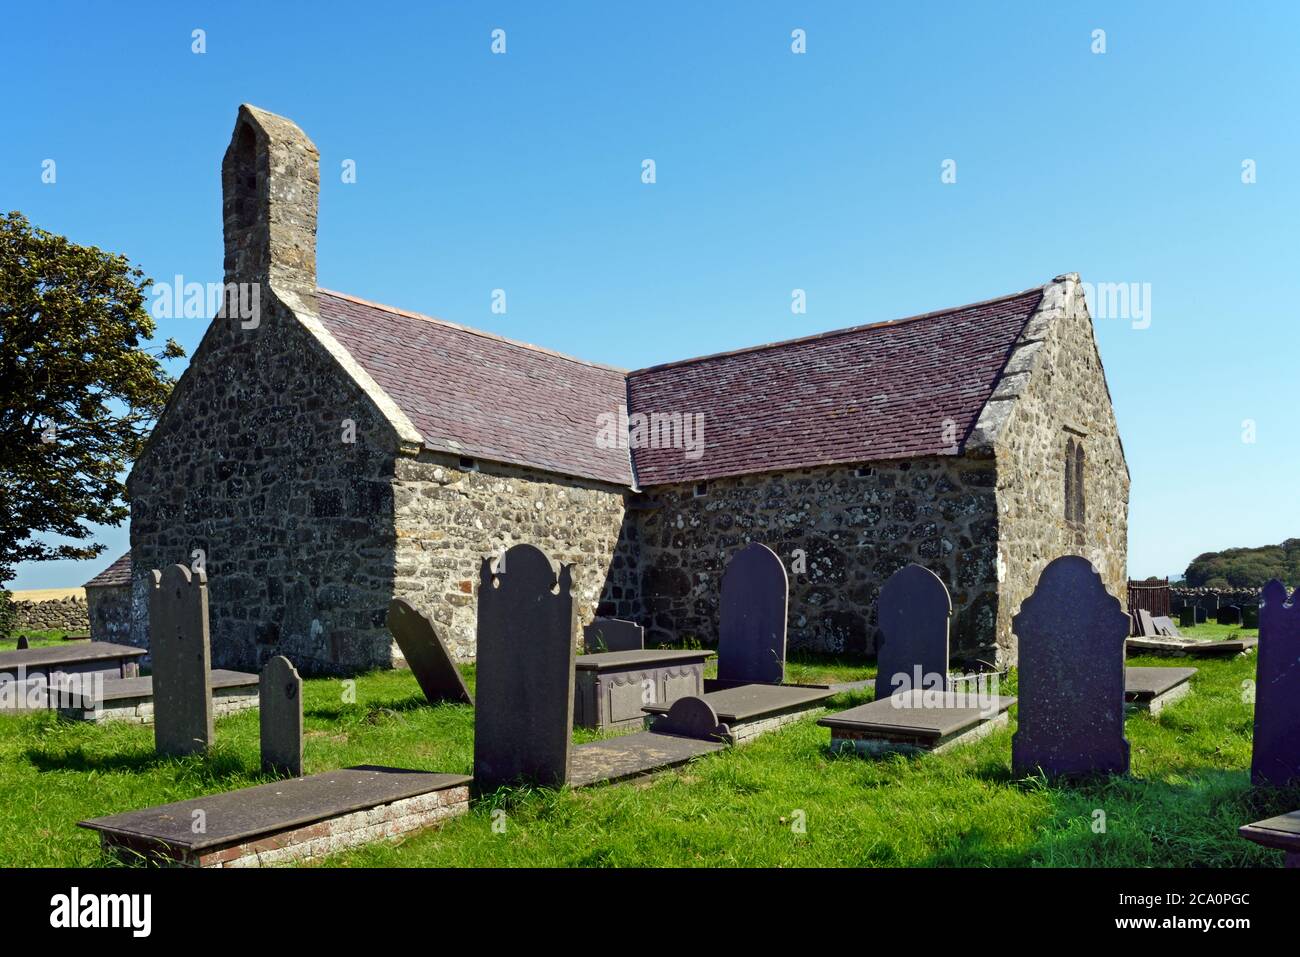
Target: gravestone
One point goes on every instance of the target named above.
(178, 644)
(426, 655)
(613, 634)
(1250, 616)
(280, 701)
(1230, 615)
(1208, 602)
(751, 630)
(1276, 757)
(1165, 626)
(1146, 624)
(914, 610)
(1187, 617)
(691, 718)
(1201, 617)
(1072, 635)
(23, 643)
(527, 626)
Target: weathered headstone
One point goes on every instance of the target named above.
(426, 655)
(280, 701)
(1146, 624)
(1208, 602)
(914, 610)
(178, 644)
(1230, 615)
(1187, 617)
(751, 629)
(613, 634)
(23, 643)
(1165, 626)
(1276, 757)
(1201, 616)
(1072, 635)
(527, 627)
(691, 718)
(1250, 616)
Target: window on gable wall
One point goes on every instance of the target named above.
(1074, 503)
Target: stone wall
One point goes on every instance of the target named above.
(1242, 597)
(449, 517)
(109, 610)
(855, 527)
(65, 614)
(1056, 390)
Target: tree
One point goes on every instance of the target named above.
(79, 392)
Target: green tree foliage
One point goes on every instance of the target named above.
(79, 392)
(1247, 567)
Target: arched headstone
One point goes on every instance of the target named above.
(280, 701)
(1071, 675)
(178, 646)
(914, 610)
(527, 626)
(751, 629)
(1276, 756)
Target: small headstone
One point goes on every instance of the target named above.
(426, 655)
(23, 643)
(691, 717)
(914, 610)
(1072, 635)
(1230, 615)
(1201, 616)
(178, 644)
(527, 630)
(1165, 626)
(1276, 757)
(751, 629)
(1187, 617)
(613, 634)
(1250, 616)
(280, 701)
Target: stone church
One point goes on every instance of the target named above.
(326, 454)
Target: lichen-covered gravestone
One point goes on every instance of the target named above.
(751, 629)
(914, 610)
(280, 701)
(178, 645)
(1276, 757)
(527, 626)
(426, 655)
(1072, 634)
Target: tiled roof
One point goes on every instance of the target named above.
(118, 573)
(475, 394)
(883, 391)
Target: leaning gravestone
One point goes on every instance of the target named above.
(527, 627)
(426, 655)
(1276, 757)
(1187, 617)
(613, 634)
(1230, 615)
(1146, 624)
(914, 611)
(751, 629)
(280, 702)
(1072, 635)
(178, 644)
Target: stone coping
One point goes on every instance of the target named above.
(906, 714)
(1143, 684)
(632, 755)
(747, 702)
(120, 689)
(639, 657)
(1281, 833)
(238, 816)
(67, 654)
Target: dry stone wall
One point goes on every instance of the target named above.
(65, 614)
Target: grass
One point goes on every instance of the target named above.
(1188, 792)
(36, 638)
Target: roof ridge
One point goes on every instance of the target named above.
(470, 329)
(832, 333)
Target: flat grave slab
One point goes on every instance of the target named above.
(131, 699)
(916, 721)
(611, 687)
(292, 820)
(1281, 833)
(1151, 689)
(633, 755)
(1190, 647)
(121, 661)
(751, 710)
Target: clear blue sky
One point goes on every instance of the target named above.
(775, 171)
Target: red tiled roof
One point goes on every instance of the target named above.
(118, 573)
(882, 391)
(475, 394)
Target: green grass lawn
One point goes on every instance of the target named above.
(1188, 793)
(35, 638)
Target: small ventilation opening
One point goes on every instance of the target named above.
(701, 489)
(468, 464)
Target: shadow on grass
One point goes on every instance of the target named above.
(373, 710)
(215, 766)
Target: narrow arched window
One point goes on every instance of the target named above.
(1070, 477)
(1077, 465)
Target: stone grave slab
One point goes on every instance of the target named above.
(1276, 750)
(92, 657)
(916, 721)
(179, 649)
(280, 698)
(1146, 624)
(296, 819)
(634, 755)
(612, 634)
(527, 636)
(1187, 617)
(1165, 626)
(752, 618)
(914, 611)
(1281, 833)
(1152, 689)
(754, 709)
(427, 656)
(1250, 616)
(131, 699)
(611, 687)
(1191, 647)
(1071, 680)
